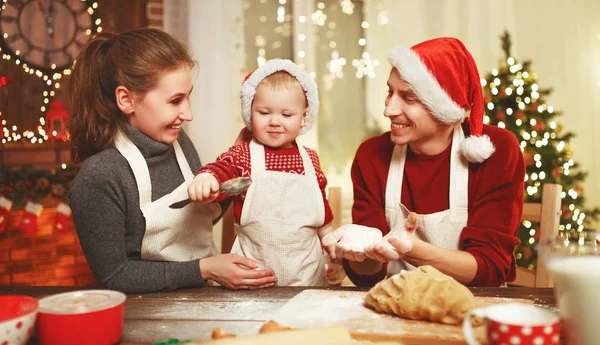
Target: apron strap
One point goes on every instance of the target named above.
(184, 166)
(138, 165)
(309, 169)
(257, 157)
(459, 172)
(393, 189)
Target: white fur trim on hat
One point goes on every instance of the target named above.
(477, 149)
(425, 86)
(306, 81)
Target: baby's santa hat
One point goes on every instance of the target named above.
(443, 74)
(275, 65)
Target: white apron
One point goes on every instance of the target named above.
(280, 217)
(171, 234)
(443, 228)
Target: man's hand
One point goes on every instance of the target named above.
(398, 242)
(203, 189)
(349, 241)
(236, 272)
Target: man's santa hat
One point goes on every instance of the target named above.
(443, 74)
(275, 65)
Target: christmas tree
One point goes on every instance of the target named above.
(515, 101)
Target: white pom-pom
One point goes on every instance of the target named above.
(477, 149)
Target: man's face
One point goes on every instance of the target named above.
(411, 122)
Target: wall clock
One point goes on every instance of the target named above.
(46, 35)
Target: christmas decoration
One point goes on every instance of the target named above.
(516, 102)
(5, 207)
(28, 189)
(29, 224)
(57, 118)
(47, 54)
(63, 213)
(5, 80)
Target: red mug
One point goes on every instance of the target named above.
(516, 324)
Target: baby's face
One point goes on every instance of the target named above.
(278, 115)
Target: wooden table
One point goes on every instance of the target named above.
(194, 313)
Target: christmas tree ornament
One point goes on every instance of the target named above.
(29, 222)
(63, 213)
(5, 207)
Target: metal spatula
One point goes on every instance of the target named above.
(234, 186)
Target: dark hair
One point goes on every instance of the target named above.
(135, 59)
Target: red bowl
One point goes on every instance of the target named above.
(17, 318)
(92, 317)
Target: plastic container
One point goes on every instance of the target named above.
(91, 317)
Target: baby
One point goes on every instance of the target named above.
(283, 215)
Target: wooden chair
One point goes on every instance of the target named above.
(334, 196)
(547, 213)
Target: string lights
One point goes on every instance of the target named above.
(513, 100)
(52, 77)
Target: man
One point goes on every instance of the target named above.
(460, 181)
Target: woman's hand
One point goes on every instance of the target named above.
(398, 242)
(350, 241)
(204, 188)
(236, 272)
(244, 136)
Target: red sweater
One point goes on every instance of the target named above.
(236, 163)
(494, 208)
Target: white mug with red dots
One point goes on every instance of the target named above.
(516, 324)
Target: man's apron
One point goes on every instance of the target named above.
(171, 234)
(443, 228)
(280, 217)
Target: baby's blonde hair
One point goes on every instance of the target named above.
(283, 80)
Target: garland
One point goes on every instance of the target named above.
(23, 184)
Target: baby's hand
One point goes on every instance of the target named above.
(203, 189)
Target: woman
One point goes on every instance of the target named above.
(130, 94)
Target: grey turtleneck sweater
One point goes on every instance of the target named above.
(106, 212)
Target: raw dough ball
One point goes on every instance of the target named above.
(218, 333)
(272, 326)
(422, 294)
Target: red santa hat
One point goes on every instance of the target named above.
(443, 74)
(275, 65)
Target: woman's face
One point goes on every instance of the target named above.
(160, 113)
(411, 121)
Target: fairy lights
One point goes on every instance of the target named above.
(52, 80)
(514, 100)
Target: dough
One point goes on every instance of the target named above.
(422, 294)
(272, 326)
(218, 333)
